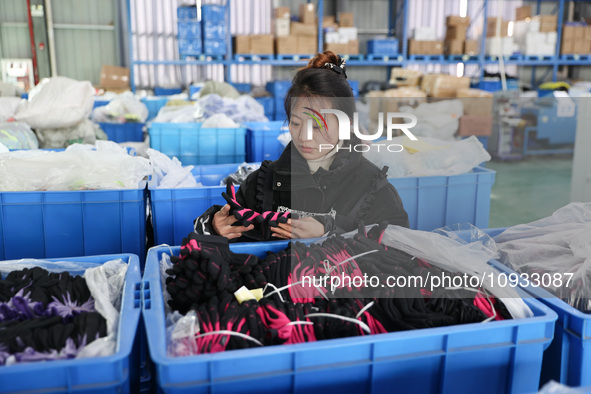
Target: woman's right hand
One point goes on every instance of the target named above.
(223, 221)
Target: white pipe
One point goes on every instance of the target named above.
(50, 37)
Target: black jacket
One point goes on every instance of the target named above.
(353, 188)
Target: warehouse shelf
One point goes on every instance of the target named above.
(372, 60)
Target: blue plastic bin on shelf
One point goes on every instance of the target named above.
(189, 29)
(173, 210)
(54, 224)
(261, 140)
(124, 132)
(186, 13)
(116, 373)
(385, 46)
(214, 47)
(268, 104)
(188, 47)
(194, 145)
(154, 105)
(494, 84)
(497, 357)
(213, 18)
(436, 201)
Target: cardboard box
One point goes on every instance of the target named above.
(405, 77)
(261, 44)
(282, 27)
(337, 48)
(415, 47)
(353, 47)
(113, 77)
(480, 125)
(329, 21)
(456, 32)
(491, 27)
(307, 45)
(440, 85)
(453, 47)
(580, 47)
(476, 101)
(456, 20)
(346, 19)
(568, 32)
(579, 32)
(301, 29)
(547, 22)
(308, 13)
(436, 47)
(282, 12)
(242, 44)
(471, 47)
(522, 13)
(567, 47)
(286, 45)
(588, 33)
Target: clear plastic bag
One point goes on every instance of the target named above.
(176, 114)
(169, 173)
(15, 135)
(123, 108)
(8, 107)
(36, 170)
(84, 132)
(558, 244)
(243, 171)
(56, 103)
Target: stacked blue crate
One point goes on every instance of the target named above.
(279, 89)
(189, 32)
(213, 19)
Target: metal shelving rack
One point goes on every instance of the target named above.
(401, 60)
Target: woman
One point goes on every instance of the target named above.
(319, 179)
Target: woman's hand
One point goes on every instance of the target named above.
(223, 221)
(302, 228)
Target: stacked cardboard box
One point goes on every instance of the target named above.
(477, 118)
(440, 85)
(424, 42)
(341, 38)
(455, 35)
(547, 22)
(296, 37)
(260, 44)
(522, 13)
(405, 77)
(576, 39)
(491, 27)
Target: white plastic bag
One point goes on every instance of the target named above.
(8, 107)
(553, 247)
(219, 121)
(436, 120)
(176, 114)
(83, 132)
(36, 170)
(56, 103)
(169, 173)
(123, 108)
(16, 135)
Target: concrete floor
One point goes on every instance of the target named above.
(529, 190)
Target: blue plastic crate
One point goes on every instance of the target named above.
(242, 87)
(190, 47)
(568, 358)
(154, 105)
(124, 132)
(54, 224)
(173, 210)
(354, 87)
(186, 13)
(213, 18)
(116, 373)
(385, 46)
(261, 140)
(494, 84)
(437, 201)
(214, 47)
(189, 29)
(159, 91)
(278, 89)
(100, 103)
(268, 104)
(497, 357)
(213, 12)
(194, 145)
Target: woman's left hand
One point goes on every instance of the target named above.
(302, 228)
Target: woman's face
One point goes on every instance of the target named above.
(323, 136)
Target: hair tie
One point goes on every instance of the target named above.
(340, 69)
